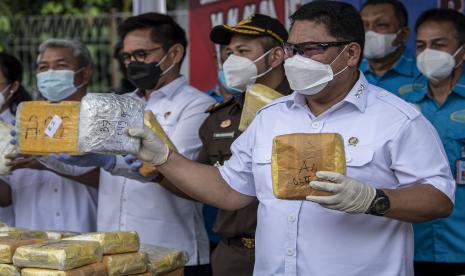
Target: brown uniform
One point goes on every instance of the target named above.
(235, 253)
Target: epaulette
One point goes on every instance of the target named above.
(219, 105)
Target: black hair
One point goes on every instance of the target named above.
(13, 71)
(399, 9)
(445, 15)
(342, 20)
(163, 29)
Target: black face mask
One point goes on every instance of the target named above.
(144, 75)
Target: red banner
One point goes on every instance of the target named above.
(205, 14)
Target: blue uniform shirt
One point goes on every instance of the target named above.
(399, 79)
(443, 240)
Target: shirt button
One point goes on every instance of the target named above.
(122, 224)
(58, 214)
(291, 218)
(55, 190)
(124, 200)
(315, 125)
(348, 158)
(290, 252)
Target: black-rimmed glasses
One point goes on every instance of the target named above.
(310, 48)
(138, 55)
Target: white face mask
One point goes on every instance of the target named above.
(307, 76)
(435, 64)
(379, 45)
(2, 95)
(241, 71)
(57, 85)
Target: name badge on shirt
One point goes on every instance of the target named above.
(223, 135)
(460, 177)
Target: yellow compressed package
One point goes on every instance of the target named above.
(97, 269)
(112, 242)
(9, 270)
(2, 224)
(162, 259)
(61, 255)
(256, 97)
(44, 127)
(19, 233)
(7, 228)
(58, 235)
(297, 157)
(8, 248)
(126, 264)
(151, 122)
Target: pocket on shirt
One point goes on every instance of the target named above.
(358, 157)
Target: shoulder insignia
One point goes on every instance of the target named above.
(219, 105)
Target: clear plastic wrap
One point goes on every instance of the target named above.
(126, 264)
(19, 233)
(60, 255)
(5, 146)
(9, 270)
(8, 248)
(58, 235)
(162, 259)
(112, 242)
(103, 121)
(97, 269)
(256, 97)
(297, 157)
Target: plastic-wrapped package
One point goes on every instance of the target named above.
(62, 167)
(104, 118)
(151, 122)
(60, 255)
(162, 259)
(9, 270)
(256, 97)
(58, 235)
(8, 248)
(44, 127)
(18, 233)
(125, 264)
(296, 158)
(112, 242)
(97, 269)
(5, 146)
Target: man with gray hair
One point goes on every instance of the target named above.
(41, 197)
(64, 69)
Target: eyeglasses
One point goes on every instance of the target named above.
(138, 55)
(310, 48)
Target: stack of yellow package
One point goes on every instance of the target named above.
(7, 249)
(7, 232)
(60, 258)
(120, 249)
(165, 261)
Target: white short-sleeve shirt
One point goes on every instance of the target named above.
(396, 147)
(160, 217)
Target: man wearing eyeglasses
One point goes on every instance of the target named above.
(387, 63)
(364, 228)
(154, 46)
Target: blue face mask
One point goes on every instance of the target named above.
(57, 85)
(222, 82)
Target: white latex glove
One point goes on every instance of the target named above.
(350, 195)
(152, 149)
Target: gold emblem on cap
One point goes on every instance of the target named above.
(167, 114)
(353, 141)
(225, 123)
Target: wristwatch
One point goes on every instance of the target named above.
(380, 204)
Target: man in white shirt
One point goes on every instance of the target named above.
(43, 199)
(154, 46)
(392, 181)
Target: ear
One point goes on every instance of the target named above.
(403, 36)
(87, 74)
(177, 51)
(276, 57)
(355, 54)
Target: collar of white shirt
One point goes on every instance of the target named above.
(170, 89)
(357, 96)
